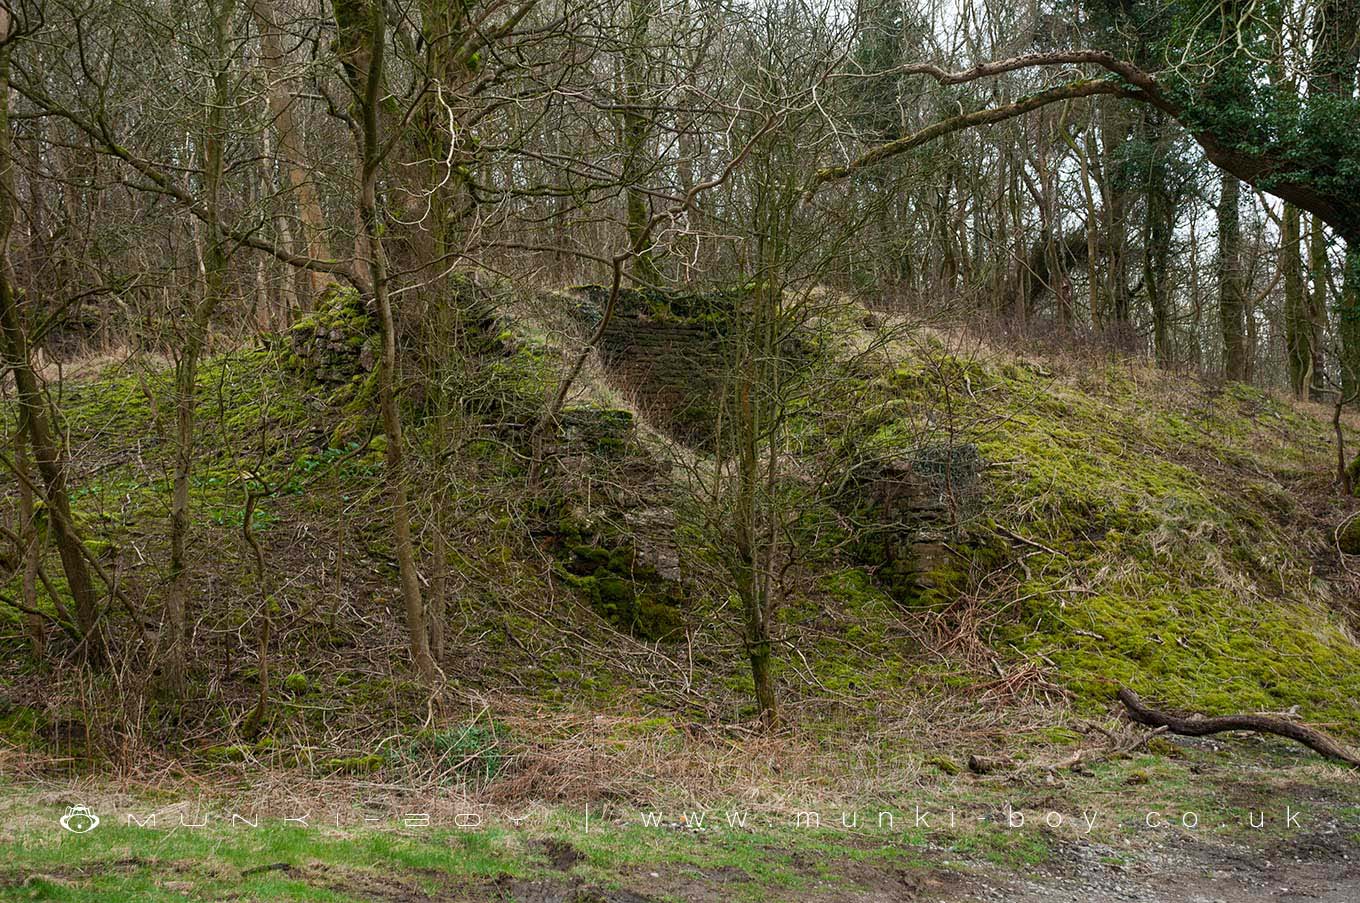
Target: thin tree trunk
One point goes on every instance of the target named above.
(47, 452)
(27, 532)
(186, 373)
(305, 195)
(255, 720)
(1348, 324)
(367, 59)
(1231, 290)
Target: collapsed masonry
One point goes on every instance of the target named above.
(666, 351)
(920, 502)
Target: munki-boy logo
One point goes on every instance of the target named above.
(79, 820)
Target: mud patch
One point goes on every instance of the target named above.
(561, 855)
(365, 885)
(558, 891)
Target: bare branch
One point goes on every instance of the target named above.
(1083, 88)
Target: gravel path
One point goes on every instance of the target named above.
(1320, 868)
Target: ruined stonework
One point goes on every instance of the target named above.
(337, 340)
(920, 500)
(666, 351)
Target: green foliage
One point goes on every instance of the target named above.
(1229, 87)
(1348, 537)
(21, 727)
(513, 387)
(473, 751)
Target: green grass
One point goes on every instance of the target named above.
(120, 862)
(771, 856)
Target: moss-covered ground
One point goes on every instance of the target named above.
(1164, 534)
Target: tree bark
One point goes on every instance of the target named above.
(1160, 227)
(636, 130)
(213, 143)
(365, 38)
(1348, 324)
(1232, 302)
(1200, 726)
(1298, 336)
(310, 220)
(26, 531)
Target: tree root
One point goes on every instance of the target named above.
(1200, 726)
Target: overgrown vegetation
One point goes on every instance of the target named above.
(843, 462)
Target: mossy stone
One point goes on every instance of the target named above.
(1349, 537)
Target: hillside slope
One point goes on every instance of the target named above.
(1124, 527)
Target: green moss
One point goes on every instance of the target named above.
(21, 726)
(353, 764)
(232, 753)
(1151, 551)
(329, 343)
(944, 764)
(616, 585)
(1348, 537)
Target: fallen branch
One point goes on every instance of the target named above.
(1200, 726)
(1089, 755)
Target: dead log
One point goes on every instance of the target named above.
(988, 764)
(1200, 726)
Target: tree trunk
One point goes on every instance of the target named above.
(26, 531)
(1336, 55)
(757, 638)
(1160, 226)
(364, 57)
(1232, 302)
(1117, 195)
(305, 196)
(195, 339)
(1297, 328)
(754, 451)
(636, 131)
(1348, 325)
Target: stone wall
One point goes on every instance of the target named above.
(337, 340)
(670, 363)
(672, 369)
(919, 501)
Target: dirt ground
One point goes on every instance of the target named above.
(1319, 868)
